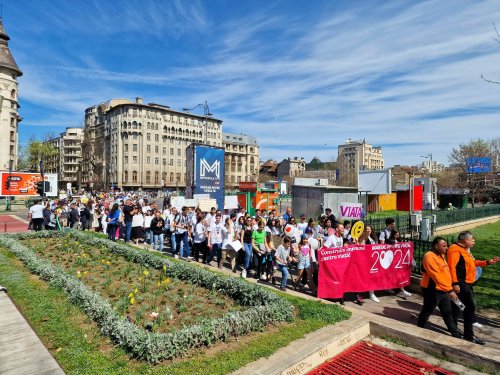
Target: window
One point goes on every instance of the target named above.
(171, 176)
(157, 161)
(134, 136)
(164, 162)
(148, 160)
(157, 177)
(164, 150)
(125, 160)
(171, 151)
(148, 148)
(134, 159)
(148, 177)
(125, 176)
(157, 136)
(134, 176)
(178, 152)
(178, 177)
(134, 147)
(125, 148)
(148, 136)
(157, 149)
(171, 162)
(178, 162)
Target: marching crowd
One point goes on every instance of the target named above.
(262, 244)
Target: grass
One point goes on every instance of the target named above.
(486, 291)
(133, 290)
(75, 342)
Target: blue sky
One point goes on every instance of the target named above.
(301, 76)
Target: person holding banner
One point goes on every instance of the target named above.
(437, 287)
(368, 237)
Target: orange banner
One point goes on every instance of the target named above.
(21, 183)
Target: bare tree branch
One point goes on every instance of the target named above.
(497, 38)
(489, 81)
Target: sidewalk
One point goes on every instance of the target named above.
(21, 351)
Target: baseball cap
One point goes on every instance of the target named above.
(308, 230)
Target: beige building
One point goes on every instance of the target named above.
(9, 104)
(355, 156)
(241, 159)
(132, 145)
(291, 167)
(67, 163)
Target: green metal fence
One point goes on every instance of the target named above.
(466, 214)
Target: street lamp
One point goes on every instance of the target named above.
(431, 166)
(206, 112)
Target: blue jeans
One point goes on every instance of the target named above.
(284, 274)
(173, 246)
(111, 229)
(248, 254)
(182, 237)
(216, 250)
(128, 226)
(156, 238)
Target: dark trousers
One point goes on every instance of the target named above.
(433, 298)
(37, 224)
(216, 252)
(200, 248)
(258, 261)
(184, 239)
(111, 229)
(466, 295)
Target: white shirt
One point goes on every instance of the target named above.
(334, 241)
(36, 211)
(147, 221)
(216, 232)
(199, 233)
(137, 220)
(314, 245)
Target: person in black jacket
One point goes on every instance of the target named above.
(157, 225)
(73, 216)
(85, 217)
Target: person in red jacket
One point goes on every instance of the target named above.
(463, 275)
(436, 287)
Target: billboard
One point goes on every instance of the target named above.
(375, 182)
(478, 165)
(23, 184)
(205, 172)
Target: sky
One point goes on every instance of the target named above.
(300, 76)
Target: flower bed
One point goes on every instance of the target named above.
(262, 307)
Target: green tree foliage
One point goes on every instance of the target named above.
(33, 152)
(480, 185)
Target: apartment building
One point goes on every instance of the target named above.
(355, 156)
(131, 145)
(9, 104)
(67, 162)
(241, 159)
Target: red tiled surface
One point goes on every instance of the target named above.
(366, 358)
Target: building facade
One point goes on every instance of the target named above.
(9, 104)
(355, 156)
(69, 158)
(131, 145)
(291, 167)
(432, 166)
(241, 159)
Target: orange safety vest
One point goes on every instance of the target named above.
(463, 265)
(436, 269)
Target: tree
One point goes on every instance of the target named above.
(31, 154)
(475, 182)
(496, 38)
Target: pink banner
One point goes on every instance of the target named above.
(359, 268)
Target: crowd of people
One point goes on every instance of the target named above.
(265, 244)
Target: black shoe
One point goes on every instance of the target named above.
(458, 334)
(475, 340)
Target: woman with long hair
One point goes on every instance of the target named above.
(305, 259)
(113, 221)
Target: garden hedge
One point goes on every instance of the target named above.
(263, 306)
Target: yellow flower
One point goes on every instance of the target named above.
(158, 283)
(145, 272)
(165, 267)
(132, 301)
(85, 272)
(131, 295)
(136, 291)
(108, 263)
(78, 274)
(140, 278)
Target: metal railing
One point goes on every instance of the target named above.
(466, 214)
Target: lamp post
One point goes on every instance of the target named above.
(206, 112)
(431, 166)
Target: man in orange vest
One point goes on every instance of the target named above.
(437, 288)
(463, 274)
